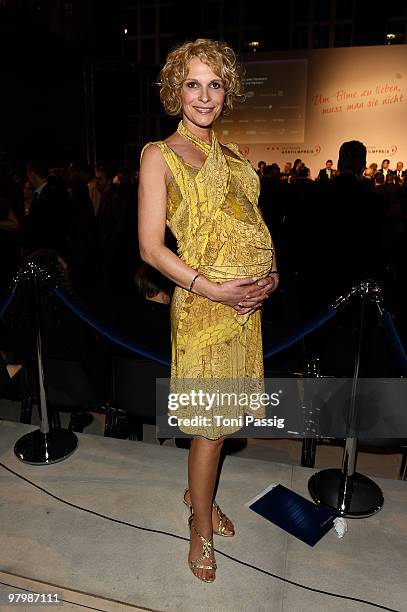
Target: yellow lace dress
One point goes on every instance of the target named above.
(214, 216)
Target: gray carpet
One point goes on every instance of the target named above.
(142, 484)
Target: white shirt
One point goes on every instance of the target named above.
(40, 188)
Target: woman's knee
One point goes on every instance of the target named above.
(208, 443)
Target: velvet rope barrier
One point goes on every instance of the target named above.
(303, 331)
(85, 315)
(299, 334)
(306, 329)
(49, 272)
(7, 298)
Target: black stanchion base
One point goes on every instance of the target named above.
(39, 448)
(366, 498)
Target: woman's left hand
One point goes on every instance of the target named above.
(269, 284)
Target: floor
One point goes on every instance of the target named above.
(113, 535)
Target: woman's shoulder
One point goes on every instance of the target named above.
(153, 157)
(153, 150)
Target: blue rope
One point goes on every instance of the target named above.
(5, 301)
(8, 296)
(85, 316)
(303, 331)
(395, 342)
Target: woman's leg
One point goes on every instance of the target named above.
(203, 463)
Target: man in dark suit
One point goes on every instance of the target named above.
(399, 172)
(339, 245)
(327, 173)
(44, 226)
(385, 169)
(341, 231)
(112, 208)
(111, 223)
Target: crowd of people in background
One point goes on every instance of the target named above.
(299, 170)
(87, 223)
(390, 184)
(90, 219)
(347, 223)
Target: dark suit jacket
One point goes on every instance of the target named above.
(323, 176)
(111, 218)
(9, 257)
(45, 225)
(339, 239)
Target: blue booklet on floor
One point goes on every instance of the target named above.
(293, 513)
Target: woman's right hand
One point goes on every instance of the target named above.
(232, 292)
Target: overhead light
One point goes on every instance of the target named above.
(254, 45)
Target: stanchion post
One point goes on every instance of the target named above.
(44, 445)
(42, 397)
(351, 443)
(348, 493)
(309, 445)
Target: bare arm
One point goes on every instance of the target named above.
(152, 205)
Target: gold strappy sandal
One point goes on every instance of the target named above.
(204, 562)
(223, 519)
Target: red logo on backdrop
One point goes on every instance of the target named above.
(393, 150)
(317, 150)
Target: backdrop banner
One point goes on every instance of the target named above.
(305, 104)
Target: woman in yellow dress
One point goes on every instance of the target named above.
(207, 194)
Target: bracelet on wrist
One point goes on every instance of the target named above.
(193, 281)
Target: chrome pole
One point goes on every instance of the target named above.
(309, 444)
(42, 398)
(351, 443)
(43, 445)
(348, 493)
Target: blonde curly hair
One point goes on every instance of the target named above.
(217, 55)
